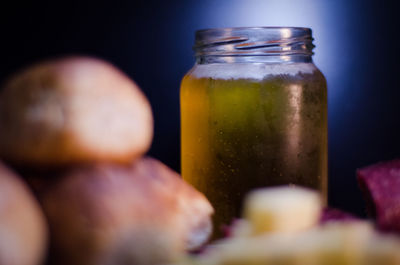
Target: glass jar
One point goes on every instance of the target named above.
(253, 114)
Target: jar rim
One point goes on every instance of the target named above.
(255, 28)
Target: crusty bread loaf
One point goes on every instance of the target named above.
(109, 214)
(73, 110)
(23, 230)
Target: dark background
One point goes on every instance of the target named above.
(151, 41)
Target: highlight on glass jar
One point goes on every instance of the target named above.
(253, 114)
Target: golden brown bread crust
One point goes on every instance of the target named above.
(23, 231)
(73, 110)
(142, 213)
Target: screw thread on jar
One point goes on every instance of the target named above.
(254, 44)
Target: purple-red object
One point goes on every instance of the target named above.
(380, 184)
(332, 214)
(227, 230)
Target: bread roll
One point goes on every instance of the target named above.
(23, 231)
(73, 110)
(108, 214)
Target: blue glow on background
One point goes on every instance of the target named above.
(331, 22)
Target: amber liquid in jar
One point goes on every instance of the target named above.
(248, 126)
